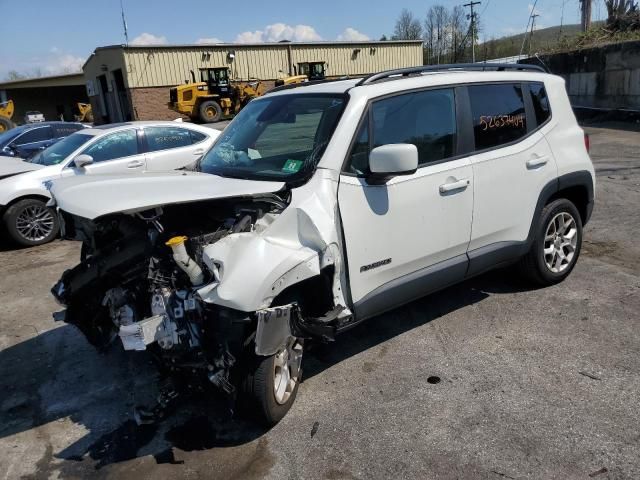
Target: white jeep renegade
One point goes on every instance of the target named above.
(321, 206)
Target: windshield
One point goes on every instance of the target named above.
(6, 137)
(279, 138)
(57, 152)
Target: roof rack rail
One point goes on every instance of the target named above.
(306, 84)
(483, 67)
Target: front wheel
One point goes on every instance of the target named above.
(274, 382)
(30, 222)
(210, 112)
(556, 246)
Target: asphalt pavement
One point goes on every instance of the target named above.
(488, 379)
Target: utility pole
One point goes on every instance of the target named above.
(473, 28)
(533, 24)
(586, 14)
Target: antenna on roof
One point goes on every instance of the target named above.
(124, 25)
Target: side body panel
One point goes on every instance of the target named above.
(407, 225)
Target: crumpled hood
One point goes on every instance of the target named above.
(93, 196)
(10, 166)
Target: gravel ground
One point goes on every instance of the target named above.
(488, 379)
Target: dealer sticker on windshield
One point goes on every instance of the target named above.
(292, 166)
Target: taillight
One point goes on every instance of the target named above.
(587, 142)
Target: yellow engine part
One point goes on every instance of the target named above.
(6, 112)
(187, 98)
(85, 112)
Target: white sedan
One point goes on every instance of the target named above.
(132, 147)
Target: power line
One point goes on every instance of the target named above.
(526, 29)
(533, 25)
(473, 28)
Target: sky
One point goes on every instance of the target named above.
(61, 34)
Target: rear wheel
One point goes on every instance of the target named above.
(210, 112)
(30, 222)
(557, 244)
(5, 124)
(273, 383)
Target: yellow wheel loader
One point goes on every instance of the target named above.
(6, 112)
(214, 97)
(84, 112)
(309, 72)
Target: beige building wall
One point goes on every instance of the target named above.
(155, 67)
(166, 66)
(148, 72)
(360, 59)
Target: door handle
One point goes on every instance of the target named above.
(135, 164)
(537, 162)
(198, 152)
(457, 185)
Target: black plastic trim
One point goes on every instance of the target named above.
(410, 287)
(495, 255)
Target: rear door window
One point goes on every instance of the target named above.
(165, 138)
(39, 134)
(65, 130)
(499, 116)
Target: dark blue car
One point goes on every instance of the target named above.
(27, 140)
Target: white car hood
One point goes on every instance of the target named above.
(12, 166)
(96, 195)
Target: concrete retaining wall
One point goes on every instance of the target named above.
(607, 77)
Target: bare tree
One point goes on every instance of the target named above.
(620, 8)
(14, 75)
(407, 27)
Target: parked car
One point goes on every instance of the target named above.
(319, 207)
(33, 117)
(26, 140)
(125, 148)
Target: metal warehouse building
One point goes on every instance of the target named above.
(55, 97)
(133, 82)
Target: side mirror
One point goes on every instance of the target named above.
(82, 160)
(390, 161)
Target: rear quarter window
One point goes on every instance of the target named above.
(540, 101)
(499, 116)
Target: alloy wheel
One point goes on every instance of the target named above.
(35, 223)
(287, 363)
(560, 242)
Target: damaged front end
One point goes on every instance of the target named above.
(178, 281)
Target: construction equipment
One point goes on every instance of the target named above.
(308, 71)
(6, 112)
(84, 112)
(214, 97)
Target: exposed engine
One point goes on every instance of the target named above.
(139, 280)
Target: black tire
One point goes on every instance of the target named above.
(210, 112)
(260, 394)
(13, 214)
(533, 266)
(6, 124)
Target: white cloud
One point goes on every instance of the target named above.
(59, 62)
(352, 35)
(278, 32)
(208, 41)
(149, 39)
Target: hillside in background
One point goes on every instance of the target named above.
(545, 39)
